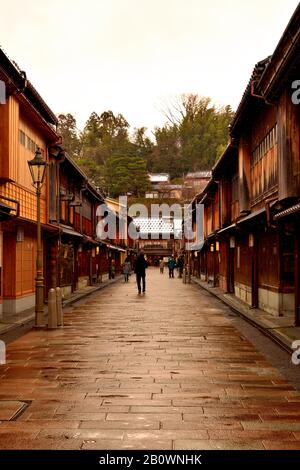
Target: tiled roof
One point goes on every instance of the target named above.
(159, 177)
(199, 174)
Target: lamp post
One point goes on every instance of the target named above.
(37, 167)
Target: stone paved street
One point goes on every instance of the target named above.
(164, 370)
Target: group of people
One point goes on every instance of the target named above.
(172, 264)
(140, 265)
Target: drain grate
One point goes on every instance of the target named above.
(11, 410)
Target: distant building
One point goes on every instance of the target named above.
(162, 188)
(158, 178)
(197, 181)
(159, 237)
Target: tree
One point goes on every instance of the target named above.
(104, 135)
(194, 136)
(196, 133)
(167, 156)
(126, 174)
(111, 158)
(143, 146)
(91, 142)
(67, 128)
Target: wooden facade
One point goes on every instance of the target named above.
(73, 257)
(25, 124)
(82, 258)
(252, 203)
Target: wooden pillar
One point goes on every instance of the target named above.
(230, 268)
(254, 249)
(288, 148)
(76, 255)
(90, 258)
(215, 265)
(297, 273)
(51, 273)
(244, 176)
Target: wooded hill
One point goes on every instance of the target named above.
(194, 136)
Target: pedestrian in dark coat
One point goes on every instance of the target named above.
(171, 266)
(140, 270)
(180, 265)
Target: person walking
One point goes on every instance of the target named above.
(126, 269)
(180, 264)
(161, 266)
(140, 271)
(171, 266)
(112, 269)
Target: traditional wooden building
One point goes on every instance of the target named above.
(118, 243)
(26, 122)
(73, 257)
(121, 245)
(252, 201)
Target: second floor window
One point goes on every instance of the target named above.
(267, 143)
(86, 209)
(264, 166)
(27, 142)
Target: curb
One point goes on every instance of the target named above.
(14, 326)
(67, 303)
(274, 336)
(71, 301)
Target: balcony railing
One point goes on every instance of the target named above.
(7, 210)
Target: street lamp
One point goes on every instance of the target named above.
(37, 167)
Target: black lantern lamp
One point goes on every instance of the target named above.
(37, 167)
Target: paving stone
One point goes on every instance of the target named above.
(166, 434)
(279, 445)
(137, 401)
(81, 408)
(42, 444)
(156, 444)
(280, 418)
(51, 423)
(142, 416)
(125, 424)
(82, 434)
(185, 444)
(163, 409)
(237, 413)
(8, 409)
(6, 435)
(166, 370)
(192, 444)
(80, 416)
(253, 434)
(271, 425)
(201, 424)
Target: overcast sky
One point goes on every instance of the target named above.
(130, 56)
